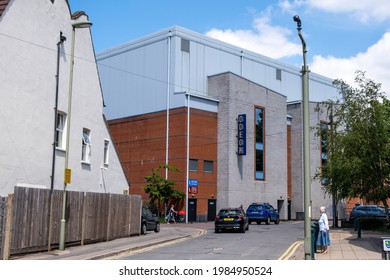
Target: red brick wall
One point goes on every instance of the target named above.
(141, 145)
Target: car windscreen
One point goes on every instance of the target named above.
(229, 212)
(256, 208)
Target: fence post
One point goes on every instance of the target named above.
(130, 198)
(109, 218)
(50, 223)
(8, 227)
(83, 219)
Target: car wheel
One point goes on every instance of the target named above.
(277, 220)
(157, 229)
(268, 220)
(143, 229)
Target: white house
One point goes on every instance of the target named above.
(35, 74)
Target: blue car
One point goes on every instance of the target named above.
(262, 212)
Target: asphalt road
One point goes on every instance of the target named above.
(261, 242)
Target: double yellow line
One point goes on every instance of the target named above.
(290, 251)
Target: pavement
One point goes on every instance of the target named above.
(345, 245)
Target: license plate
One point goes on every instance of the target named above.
(228, 219)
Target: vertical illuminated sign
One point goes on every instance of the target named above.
(241, 134)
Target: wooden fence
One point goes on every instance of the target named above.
(31, 219)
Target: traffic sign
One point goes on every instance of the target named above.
(192, 182)
(68, 175)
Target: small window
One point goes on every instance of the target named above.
(86, 146)
(60, 135)
(193, 165)
(208, 166)
(106, 150)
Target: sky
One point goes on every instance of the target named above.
(342, 36)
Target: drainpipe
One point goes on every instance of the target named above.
(168, 103)
(62, 40)
(242, 63)
(188, 152)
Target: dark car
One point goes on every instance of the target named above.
(368, 211)
(231, 218)
(262, 212)
(149, 221)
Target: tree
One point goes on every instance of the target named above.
(358, 143)
(160, 189)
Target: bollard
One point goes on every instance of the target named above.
(314, 235)
(359, 228)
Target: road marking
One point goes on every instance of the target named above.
(291, 250)
(136, 251)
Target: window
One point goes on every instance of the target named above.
(106, 149)
(324, 147)
(208, 166)
(86, 146)
(60, 141)
(193, 165)
(259, 132)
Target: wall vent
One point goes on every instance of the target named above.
(185, 45)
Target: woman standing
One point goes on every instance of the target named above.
(323, 239)
(171, 214)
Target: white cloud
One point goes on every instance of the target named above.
(265, 39)
(275, 41)
(362, 10)
(375, 62)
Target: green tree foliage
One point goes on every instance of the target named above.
(161, 190)
(358, 142)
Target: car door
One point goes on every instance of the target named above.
(272, 212)
(149, 219)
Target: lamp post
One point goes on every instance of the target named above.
(67, 171)
(306, 145)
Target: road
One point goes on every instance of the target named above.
(261, 242)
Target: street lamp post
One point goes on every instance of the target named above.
(67, 171)
(306, 145)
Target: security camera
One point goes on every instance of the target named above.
(62, 38)
(297, 20)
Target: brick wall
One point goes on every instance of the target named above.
(141, 144)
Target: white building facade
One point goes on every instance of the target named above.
(35, 59)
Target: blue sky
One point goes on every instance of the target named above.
(342, 36)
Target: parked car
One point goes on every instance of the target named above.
(231, 218)
(149, 221)
(262, 212)
(368, 211)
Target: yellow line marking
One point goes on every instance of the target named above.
(290, 251)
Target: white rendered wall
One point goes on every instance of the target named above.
(30, 31)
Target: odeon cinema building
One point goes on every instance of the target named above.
(229, 119)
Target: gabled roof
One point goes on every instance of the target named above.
(3, 5)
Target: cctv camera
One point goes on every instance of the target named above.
(297, 20)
